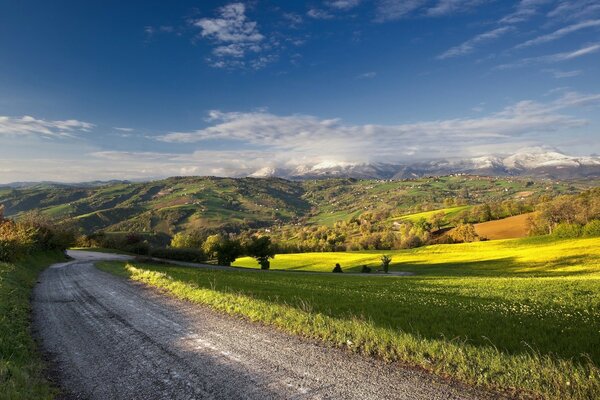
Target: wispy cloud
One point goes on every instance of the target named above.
(470, 45)
(234, 36)
(309, 137)
(560, 33)
(27, 126)
(318, 13)
(367, 75)
(123, 129)
(449, 7)
(575, 10)
(389, 10)
(558, 74)
(343, 4)
(260, 139)
(552, 58)
(525, 10)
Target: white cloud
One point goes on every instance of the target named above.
(367, 75)
(123, 129)
(447, 7)
(525, 10)
(320, 139)
(258, 140)
(558, 74)
(575, 10)
(560, 33)
(471, 44)
(231, 26)
(343, 4)
(27, 125)
(317, 13)
(389, 10)
(235, 38)
(553, 58)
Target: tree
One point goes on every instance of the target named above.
(437, 220)
(184, 240)
(464, 233)
(261, 249)
(385, 262)
(227, 251)
(423, 225)
(211, 244)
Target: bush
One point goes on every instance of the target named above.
(592, 228)
(464, 233)
(188, 255)
(140, 248)
(337, 269)
(566, 230)
(365, 269)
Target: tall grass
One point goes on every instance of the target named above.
(21, 368)
(522, 323)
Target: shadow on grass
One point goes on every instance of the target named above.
(576, 265)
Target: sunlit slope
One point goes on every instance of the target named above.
(530, 256)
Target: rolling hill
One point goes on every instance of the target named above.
(187, 203)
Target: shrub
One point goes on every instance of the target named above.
(189, 255)
(565, 230)
(337, 269)
(140, 248)
(365, 269)
(592, 228)
(385, 263)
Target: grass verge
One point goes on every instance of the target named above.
(21, 368)
(473, 328)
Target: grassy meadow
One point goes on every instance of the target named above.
(514, 314)
(21, 367)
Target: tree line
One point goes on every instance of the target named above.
(32, 232)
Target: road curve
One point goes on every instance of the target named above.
(107, 338)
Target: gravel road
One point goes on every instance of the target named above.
(107, 338)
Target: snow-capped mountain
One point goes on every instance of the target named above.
(538, 162)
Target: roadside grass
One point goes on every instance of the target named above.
(21, 368)
(525, 320)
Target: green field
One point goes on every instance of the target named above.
(21, 367)
(538, 256)
(448, 213)
(510, 314)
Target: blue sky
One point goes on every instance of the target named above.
(140, 89)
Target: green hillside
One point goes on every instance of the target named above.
(191, 203)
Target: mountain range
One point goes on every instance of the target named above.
(534, 162)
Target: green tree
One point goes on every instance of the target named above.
(261, 249)
(211, 244)
(184, 240)
(227, 251)
(385, 262)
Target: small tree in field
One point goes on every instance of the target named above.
(385, 262)
(261, 249)
(227, 251)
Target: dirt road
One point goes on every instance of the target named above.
(107, 338)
